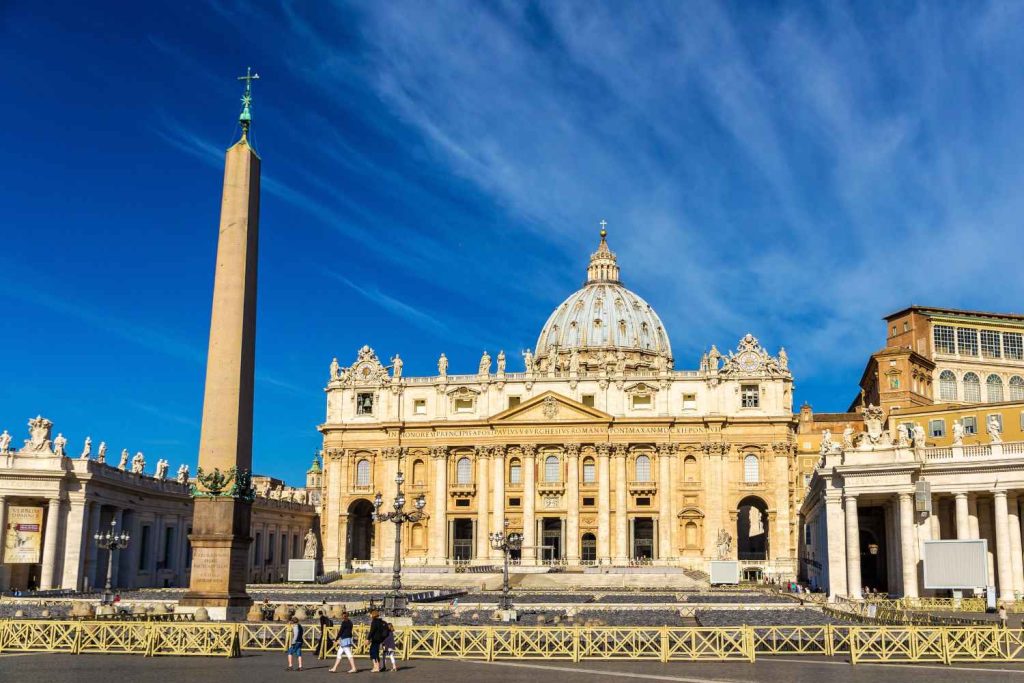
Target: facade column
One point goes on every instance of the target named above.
(836, 538)
(665, 502)
(604, 555)
(673, 510)
(924, 533)
(907, 545)
(386, 531)
(529, 551)
(935, 519)
(74, 551)
(1016, 561)
(498, 507)
(439, 519)
(50, 539)
(334, 544)
(483, 463)
(571, 537)
(1003, 563)
(621, 513)
(972, 516)
(963, 525)
(853, 587)
(782, 548)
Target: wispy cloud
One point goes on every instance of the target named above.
(164, 414)
(399, 308)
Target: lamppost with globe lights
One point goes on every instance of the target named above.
(506, 542)
(395, 602)
(110, 541)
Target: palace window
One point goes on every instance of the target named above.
(515, 471)
(515, 502)
(894, 382)
(751, 469)
(1013, 345)
(417, 473)
(970, 424)
(464, 471)
(947, 386)
(972, 388)
(364, 404)
(643, 502)
(463, 405)
(588, 502)
(994, 389)
(642, 468)
(462, 503)
(513, 401)
(1017, 388)
(551, 472)
(967, 341)
(589, 475)
(750, 396)
(419, 406)
(642, 402)
(691, 534)
(690, 472)
(937, 428)
(990, 344)
(363, 473)
(689, 401)
(807, 533)
(943, 337)
(588, 400)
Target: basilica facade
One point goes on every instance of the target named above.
(599, 451)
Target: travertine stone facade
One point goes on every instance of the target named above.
(600, 452)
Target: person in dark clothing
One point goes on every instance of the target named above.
(325, 625)
(378, 632)
(345, 644)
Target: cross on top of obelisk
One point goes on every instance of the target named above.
(245, 118)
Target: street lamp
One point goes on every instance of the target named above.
(395, 602)
(110, 541)
(506, 542)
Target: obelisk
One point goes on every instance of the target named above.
(223, 491)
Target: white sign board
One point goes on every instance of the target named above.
(302, 570)
(724, 571)
(955, 564)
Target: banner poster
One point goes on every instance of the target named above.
(23, 537)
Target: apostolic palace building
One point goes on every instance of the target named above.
(600, 452)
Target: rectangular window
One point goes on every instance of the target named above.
(588, 400)
(750, 396)
(943, 336)
(1013, 345)
(462, 503)
(515, 473)
(967, 341)
(937, 428)
(144, 548)
(643, 502)
(894, 382)
(893, 331)
(689, 401)
(588, 502)
(270, 548)
(906, 326)
(513, 401)
(257, 548)
(515, 502)
(807, 534)
(463, 405)
(970, 424)
(419, 406)
(589, 474)
(642, 402)
(990, 344)
(364, 404)
(168, 546)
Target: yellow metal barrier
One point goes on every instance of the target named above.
(194, 639)
(125, 637)
(40, 636)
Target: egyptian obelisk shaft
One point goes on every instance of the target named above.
(223, 491)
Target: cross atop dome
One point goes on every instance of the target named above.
(604, 265)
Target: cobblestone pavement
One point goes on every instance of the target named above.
(258, 668)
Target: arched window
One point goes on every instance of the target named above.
(464, 471)
(691, 534)
(751, 469)
(363, 472)
(417, 473)
(515, 471)
(589, 475)
(994, 388)
(642, 468)
(972, 388)
(1017, 388)
(551, 469)
(690, 472)
(947, 386)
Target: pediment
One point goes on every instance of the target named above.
(551, 407)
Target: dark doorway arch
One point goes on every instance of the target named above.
(360, 541)
(752, 531)
(588, 550)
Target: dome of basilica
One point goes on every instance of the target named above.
(603, 324)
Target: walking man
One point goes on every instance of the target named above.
(295, 648)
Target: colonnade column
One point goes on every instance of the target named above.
(74, 551)
(963, 525)
(972, 515)
(571, 542)
(529, 551)
(50, 545)
(664, 503)
(483, 462)
(498, 513)
(1003, 562)
(4, 573)
(853, 588)
(836, 544)
(908, 546)
(1016, 561)
(621, 518)
(604, 554)
(439, 517)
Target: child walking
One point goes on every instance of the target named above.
(389, 648)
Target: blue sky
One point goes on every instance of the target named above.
(434, 174)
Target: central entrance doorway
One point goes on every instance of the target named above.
(752, 529)
(462, 540)
(551, 538)
(643, 538)
(360, 541)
